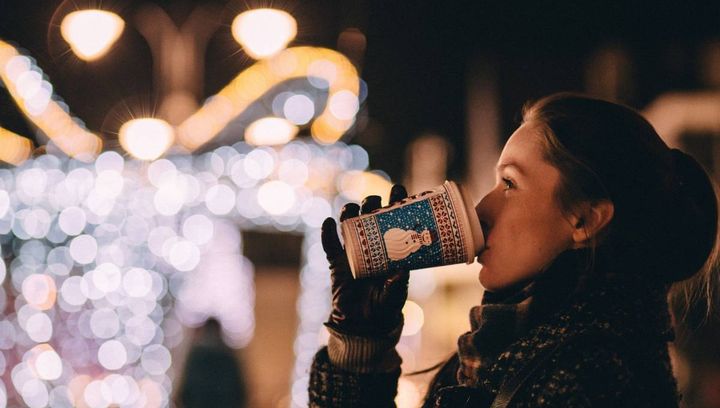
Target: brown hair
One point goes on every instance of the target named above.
(666, 213)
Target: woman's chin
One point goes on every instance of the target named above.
(484, 278)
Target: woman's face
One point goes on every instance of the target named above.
(524, 226)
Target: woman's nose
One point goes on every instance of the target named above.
(487, 208)
(482, 207)
(484, 210)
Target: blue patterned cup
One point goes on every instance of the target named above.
(433, 228)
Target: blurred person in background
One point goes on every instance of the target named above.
(592, 223)
(212, 376)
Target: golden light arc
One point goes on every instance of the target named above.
(337, 72)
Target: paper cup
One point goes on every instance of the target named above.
(433, 228)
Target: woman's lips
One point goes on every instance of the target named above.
(481, 252)
(485, 228)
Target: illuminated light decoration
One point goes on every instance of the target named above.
(146, 138)
(139, 275)
(14, 149)
(332, 69)
(270, 132)
(324, 68)
(33, 96)
(91, 33)
(264, 32)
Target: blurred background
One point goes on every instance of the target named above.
(166, 166)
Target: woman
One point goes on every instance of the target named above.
(592, 219)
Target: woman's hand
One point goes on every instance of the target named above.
(371, 306)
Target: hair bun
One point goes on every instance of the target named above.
(696, 217)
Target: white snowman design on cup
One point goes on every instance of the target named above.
(401, 243)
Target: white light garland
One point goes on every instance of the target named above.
(104, 256)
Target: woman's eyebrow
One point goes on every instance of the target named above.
(512, 166)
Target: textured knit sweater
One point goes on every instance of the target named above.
(612, 335)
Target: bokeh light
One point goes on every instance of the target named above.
(146, 138)
(276, 197)
(111, 258)
(91, 33)
(16, 149)
(299, 109)
(264, 32)
(270, 132)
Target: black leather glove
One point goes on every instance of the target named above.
(368, 306)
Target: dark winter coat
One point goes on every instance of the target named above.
(604, 342)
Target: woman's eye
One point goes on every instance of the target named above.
(508, 183)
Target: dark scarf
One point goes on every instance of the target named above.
(565, 292)
(505, 316)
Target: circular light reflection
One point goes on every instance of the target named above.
(156, 359)
(198, 228)
(39, 291)
(276, 197)
(220, 199)
(259, 164)
(47, 363)
(71, 291)
(344, 105)
(83, 249)
(112, 355)
(34, 393)
(299, 109)
(137, 282)
(104, 323)
(39, 327)
(72, 220)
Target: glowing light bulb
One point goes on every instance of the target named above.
(264, 32)
(91, 33)
(147, 138)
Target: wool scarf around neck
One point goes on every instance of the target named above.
(504, 317)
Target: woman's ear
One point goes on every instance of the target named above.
(590, 220)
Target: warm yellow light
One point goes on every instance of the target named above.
(356, 185)
(264, 32)
(147, 138)
(14, 149)
(334, 70)
(91, 33)
(43, 111)
(270, 131)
